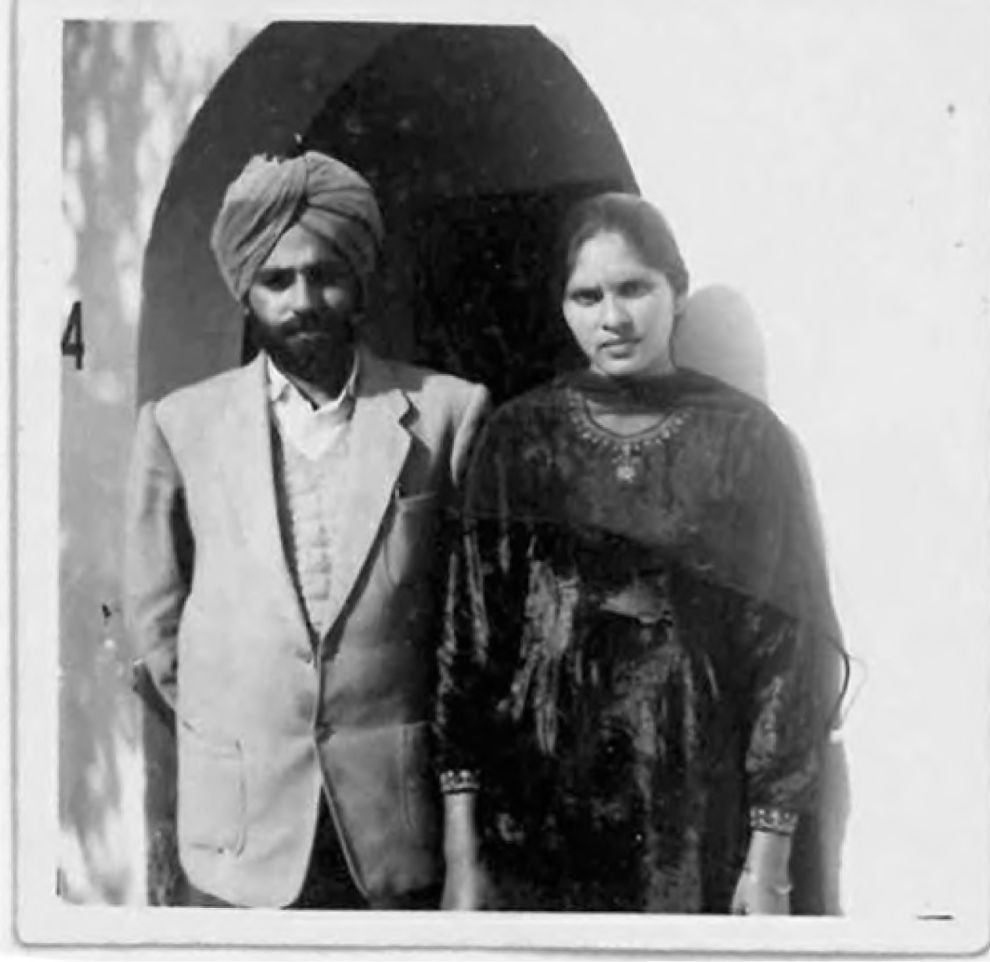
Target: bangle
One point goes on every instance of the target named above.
(774, 820)
(459, 780)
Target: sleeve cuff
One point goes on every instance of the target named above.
(776, 820)
(458, 780)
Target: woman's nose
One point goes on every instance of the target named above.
(614, 314)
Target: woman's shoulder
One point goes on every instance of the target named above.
(528, 411)
(725, 407)
(511, 456)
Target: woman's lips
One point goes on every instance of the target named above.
(622, 347)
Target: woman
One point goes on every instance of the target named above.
(632, 706)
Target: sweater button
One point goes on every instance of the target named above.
(307, 656)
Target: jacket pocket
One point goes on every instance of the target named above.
(409, 542)
(419, 788)
(212, 797)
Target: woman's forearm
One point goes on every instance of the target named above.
(460, 837)
(465, 883)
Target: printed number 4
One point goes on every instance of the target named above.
(72, 336)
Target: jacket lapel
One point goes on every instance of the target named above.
(379, 444)
(249, 476)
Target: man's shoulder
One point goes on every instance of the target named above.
(425, 385)
(201, 397)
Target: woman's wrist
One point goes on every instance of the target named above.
(460, 835)
(768, 859)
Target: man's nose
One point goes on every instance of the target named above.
(304, 294)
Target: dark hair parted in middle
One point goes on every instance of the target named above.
(644, 228)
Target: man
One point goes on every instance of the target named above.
(281, 538)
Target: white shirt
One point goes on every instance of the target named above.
(311, 431)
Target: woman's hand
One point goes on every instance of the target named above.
(760, 896)
(764, 886)
(466, 884)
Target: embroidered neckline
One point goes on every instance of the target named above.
(627, 451)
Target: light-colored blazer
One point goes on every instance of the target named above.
(263, 721)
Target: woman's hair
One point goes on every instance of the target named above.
(638, 221)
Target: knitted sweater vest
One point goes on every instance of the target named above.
(308, 496)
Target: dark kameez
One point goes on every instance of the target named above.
(639, 655)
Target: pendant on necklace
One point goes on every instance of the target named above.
(626, 466)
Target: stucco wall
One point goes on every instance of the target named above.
(129, 93)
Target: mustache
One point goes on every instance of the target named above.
(322, 322)
(312, 322)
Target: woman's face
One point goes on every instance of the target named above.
(620, 311)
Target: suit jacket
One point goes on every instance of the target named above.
(263, 720)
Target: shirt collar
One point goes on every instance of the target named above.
(280, 388)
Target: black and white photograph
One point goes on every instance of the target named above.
(501, 476)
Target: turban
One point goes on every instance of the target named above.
(271, 195)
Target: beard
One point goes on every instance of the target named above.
(313, 347)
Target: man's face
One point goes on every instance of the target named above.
(302, 304)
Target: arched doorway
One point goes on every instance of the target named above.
(475, 138)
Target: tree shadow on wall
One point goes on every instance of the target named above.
(126, 89)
